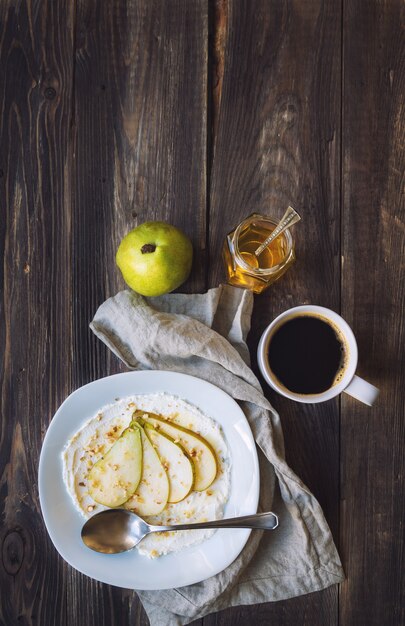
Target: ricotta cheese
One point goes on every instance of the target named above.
(95, 438)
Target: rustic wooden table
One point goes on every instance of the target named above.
(200, 112)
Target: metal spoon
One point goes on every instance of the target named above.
(119, 530)
(289, 218)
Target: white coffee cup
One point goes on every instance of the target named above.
(349, 381)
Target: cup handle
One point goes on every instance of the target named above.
(362, 390)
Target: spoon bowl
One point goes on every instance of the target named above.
(118, 530)
(113, 531)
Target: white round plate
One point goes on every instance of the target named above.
(130, 569)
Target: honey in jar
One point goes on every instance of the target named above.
(243, 267)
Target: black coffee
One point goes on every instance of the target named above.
(306, 355)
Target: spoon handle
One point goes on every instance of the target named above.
(263, 521)
(289, 218)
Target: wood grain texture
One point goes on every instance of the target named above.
(373, 302)
(140, 103)
(278, 143)
(103, 125)
(200, 112)
(140, 96)
(36, 60)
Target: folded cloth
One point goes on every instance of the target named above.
(204, 335)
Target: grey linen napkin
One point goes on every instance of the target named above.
(204, 335)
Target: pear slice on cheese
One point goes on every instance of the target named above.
(179, 468)
(200, 452)
(152, 493)
(116, 476)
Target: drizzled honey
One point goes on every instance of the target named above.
(243, 267)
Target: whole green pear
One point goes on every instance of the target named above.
(155, 258)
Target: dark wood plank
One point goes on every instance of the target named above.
(278, 142)
(373, 302)
(284, 613)
(140, 145)
(36, 61)
(140, 102)
(104, 126)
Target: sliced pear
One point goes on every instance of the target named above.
(115, 477)
(199, 450)
(152, 493)
(179, 468)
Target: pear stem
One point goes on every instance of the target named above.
(148, 247)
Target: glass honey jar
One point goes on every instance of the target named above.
(243, 267)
